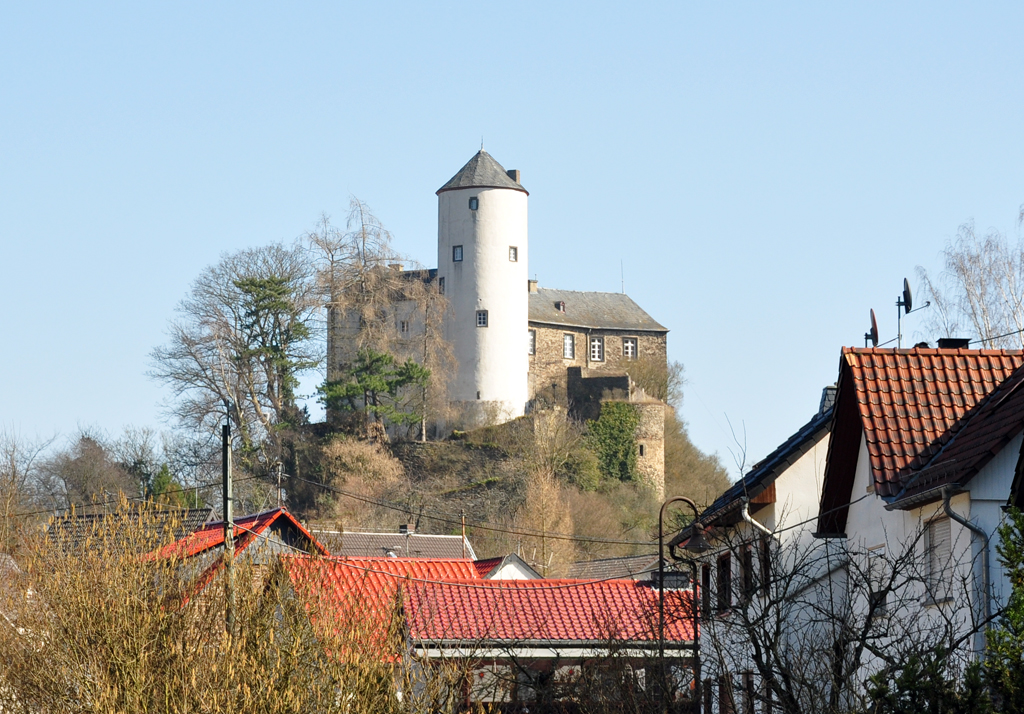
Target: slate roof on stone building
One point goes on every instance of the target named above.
(602, 311)
(412, 545)
(74, 531)
(633, 567)
(482, 171)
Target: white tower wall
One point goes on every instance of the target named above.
(493, 365)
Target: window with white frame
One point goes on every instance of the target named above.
(597, 349)
(457, 253)
(531, 344)
(513, 254)
(937, 548)
(878, 572)
(629, 347)
(481, 318)
(569, 346)
(474, 203)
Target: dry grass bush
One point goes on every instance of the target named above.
(103, 628)
(363, 467)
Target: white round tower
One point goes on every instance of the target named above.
(482, 269)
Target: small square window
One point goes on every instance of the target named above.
(597, 349)
(513, 254)
(481, 318)
(629, 347)
(457, 253)
(474, 203)
(532, 342)
(403, 326)
(440, 286)
(569, 346)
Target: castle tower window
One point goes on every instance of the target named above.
(532, 342)
(481, 318)
(597, 349)
(643, 450)
(629, 347)
(513, 254)
(474, 203)
(569, 346)
(403, 326)
(457, 253)
(440, 286)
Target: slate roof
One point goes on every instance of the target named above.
(636, 567)
(482, 171)
(74, 531)
(929, 416)
(413, 545)
(608, 311)
(564, 611)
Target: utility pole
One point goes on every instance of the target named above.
(463, 534)
(229, 533)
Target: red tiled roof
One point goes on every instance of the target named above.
(544, 610)
(913, 402)
(484, 567)
(247, 530)
(928, 416)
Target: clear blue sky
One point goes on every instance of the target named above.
(767, 172)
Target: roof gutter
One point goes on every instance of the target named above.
(985, 597)
(746, 516)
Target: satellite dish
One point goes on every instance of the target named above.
(873, 333)
(907, 299)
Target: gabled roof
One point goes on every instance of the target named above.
(73, 531)
(248, 530)
(608, 311)
(630, 566)
(564, 611)
(490, 567)
(482, 171)
(403, 545)
(920, 411)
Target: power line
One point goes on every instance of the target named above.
(482, 525)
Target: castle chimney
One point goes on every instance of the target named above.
(533, 285)
(513, 174)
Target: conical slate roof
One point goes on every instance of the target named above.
(482, 171)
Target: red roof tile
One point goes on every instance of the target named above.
(913, 402)
(484, 567)
(247, 530)
(544, 610)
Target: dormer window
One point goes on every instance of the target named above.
(560, 306)
(474, 203)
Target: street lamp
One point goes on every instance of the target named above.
(695, 544)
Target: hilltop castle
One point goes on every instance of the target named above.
(519, 347)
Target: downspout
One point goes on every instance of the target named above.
(985, 597)
(746, 516)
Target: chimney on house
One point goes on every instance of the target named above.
(828, 399)
(532, 285)
(513, 174)
(953, 343)
(407, 528)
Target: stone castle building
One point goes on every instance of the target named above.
(519, 347)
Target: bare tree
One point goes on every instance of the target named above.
(19, 469)
(242, 337)
(374, 304)
(981, 288)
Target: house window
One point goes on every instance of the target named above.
(748, 693)
(440, 286)
(725, 701)
(747, 582)
(709, 695)
(481, 318)
(532, 342)
(474, 203)
(513, 254)
(724, 582)
(569, 346)
(597, 349)
(705, 590)
(629, 347)
(403, 326)
(877, 576)
(936, 543)
(765, 552)
(457, 253)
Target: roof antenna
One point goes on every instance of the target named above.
(481, 142)
(907, 303)
(622, 275)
